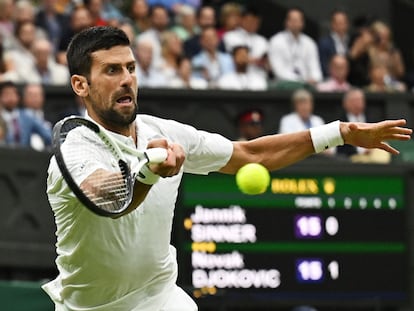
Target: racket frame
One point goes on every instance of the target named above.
(115, 150)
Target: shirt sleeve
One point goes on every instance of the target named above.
(205, 152)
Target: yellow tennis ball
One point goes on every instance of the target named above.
(253, 178)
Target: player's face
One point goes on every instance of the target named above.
(112, 96)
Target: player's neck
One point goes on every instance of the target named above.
(128, 131)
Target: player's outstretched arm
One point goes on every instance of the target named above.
(277, 151)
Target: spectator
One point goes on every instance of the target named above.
(62, 6)
(173, 6)
(7, 30)
(129, 31)
(293, 55)
(381, 80)
(147, 74)
(20, 124)
(21, 54)
(33, 101)
(247, 34)
(205, 19)
(111, 14)
(230, 17)
(353, 104)
(383, 51)
(358, 56)
(160, 21)
(78, 109)
(185, 22)
(210, 64)
(171, 52)
(140, 16)
(55, 24)
(95, 8)
(354, 110)
(184, 78)
(336, 42)
(250, 124)
(7, 66)
(45, 69)
(243, 78)
(302, 117)
(338, 73)
(25, 12)
(80, 18)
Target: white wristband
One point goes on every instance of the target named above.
(326, 136)
(146, 176)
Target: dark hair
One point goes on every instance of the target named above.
(155, 7)
(92, 39)
(204, 29)
(251, 10)
(338, 11)
(18, 27)
(7, 84)
(296, 8)
(236, 48)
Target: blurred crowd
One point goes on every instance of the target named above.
(197, 45)
(201, 45)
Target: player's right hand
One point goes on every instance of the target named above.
(175, 159)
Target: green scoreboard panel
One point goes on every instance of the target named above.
(319, 233)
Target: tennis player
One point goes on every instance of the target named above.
(128, 263)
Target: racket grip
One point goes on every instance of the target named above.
(156, 155)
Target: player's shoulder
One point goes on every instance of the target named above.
(160, 125)
(151, 121)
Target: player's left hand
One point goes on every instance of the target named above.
(375, 135)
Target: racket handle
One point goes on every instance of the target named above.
(156, 155)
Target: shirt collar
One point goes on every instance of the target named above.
(9, 115)
(128, 140)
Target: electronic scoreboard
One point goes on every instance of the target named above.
(324, 233)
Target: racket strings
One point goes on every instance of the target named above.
(106, 187)
(112, 193)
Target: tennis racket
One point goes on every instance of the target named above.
(83, 147)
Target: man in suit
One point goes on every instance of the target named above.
(336, 42)
(353, 103)
(20, 124)
(55, 24)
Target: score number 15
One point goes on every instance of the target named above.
(313, 226)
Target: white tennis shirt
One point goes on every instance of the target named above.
(126, 263)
